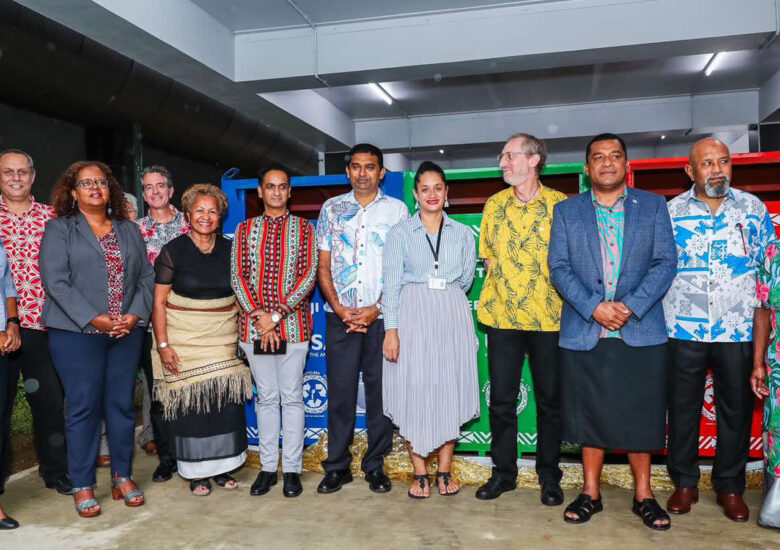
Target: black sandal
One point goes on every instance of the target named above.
(223, 479)
(446, 477)
(650, 512)
(196, 483)
(421, 479)
(584, 506)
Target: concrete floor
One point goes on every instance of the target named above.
(353, 518)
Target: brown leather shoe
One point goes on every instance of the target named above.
(150, 447)
(103, 461)
(681, 500)
(733, 506)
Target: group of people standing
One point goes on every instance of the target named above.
(620, 301)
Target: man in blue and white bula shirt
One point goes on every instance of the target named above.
(351, 233)
(721, 235)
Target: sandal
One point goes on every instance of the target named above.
(650, 512)
(196, 484)
(421, 479)
(445, 476)
(584, 506)
(82, 506)
(133, 496)
(223, 479)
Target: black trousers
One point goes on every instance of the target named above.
(731, 365)
(346, 354)
(160, 428)
(46, 398)
(506, 353)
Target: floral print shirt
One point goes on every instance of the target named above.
(768, 295)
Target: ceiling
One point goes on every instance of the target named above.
(463, 74)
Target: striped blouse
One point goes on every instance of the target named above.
(408, 258)
(273, 268)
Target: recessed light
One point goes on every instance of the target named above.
(713, 63)
(441, 151)
(381, 92)
(663, 136)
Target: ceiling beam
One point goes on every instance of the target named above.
(685, 112)
(498, 39)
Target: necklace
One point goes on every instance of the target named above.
(212, 241)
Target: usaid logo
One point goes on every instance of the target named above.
(522, 396)
(708, 409)
(315, 393)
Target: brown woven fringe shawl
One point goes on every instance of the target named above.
(205, 341)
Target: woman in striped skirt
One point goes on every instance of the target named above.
(430, 385)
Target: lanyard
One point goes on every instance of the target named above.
(438, 244)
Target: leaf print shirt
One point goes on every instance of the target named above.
(517, 293)
(355, 237)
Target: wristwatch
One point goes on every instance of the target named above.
(162, 345)
(13, 320)
(275, 317)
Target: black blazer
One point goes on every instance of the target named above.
(75, 277)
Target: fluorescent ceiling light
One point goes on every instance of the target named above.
(381, 92)
(713, 63)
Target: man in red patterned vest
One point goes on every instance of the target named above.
(22, 221)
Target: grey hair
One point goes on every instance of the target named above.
(19, 152)
(129, 197)
(532, 145)
(158, 169)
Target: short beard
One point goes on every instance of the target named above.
(717, 191)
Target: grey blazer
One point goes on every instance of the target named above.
(75, 277)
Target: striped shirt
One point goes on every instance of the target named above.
(610, 221)
(408, 258)
(273, 268)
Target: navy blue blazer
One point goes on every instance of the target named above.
(75, 277)
(647, 269)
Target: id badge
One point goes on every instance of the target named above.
(437, 284)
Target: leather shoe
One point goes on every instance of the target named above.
(494, 487)
(103, 461)
(734, 507)
(552, 494)
(61, 483)
(378, 481)
(292, 485)
(333, 481)
(8, 523)
(150, 447)
(164, 471)
(263, 483)
(681, 500)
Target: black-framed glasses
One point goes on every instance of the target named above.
(85, 184)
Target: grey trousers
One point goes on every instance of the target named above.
(279, 381)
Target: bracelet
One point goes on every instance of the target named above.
(14, 320)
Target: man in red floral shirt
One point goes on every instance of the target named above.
(22, 221)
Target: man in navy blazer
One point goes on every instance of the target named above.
(612, 257)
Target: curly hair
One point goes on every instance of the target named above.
(203, 190)
(62, 200)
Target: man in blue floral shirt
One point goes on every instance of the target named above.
(721, 236)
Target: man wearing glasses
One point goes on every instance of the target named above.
(522, 311)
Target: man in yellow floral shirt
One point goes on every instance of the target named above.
(522, 311)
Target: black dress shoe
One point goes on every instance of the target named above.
(164, 471)
(8, 523)
(378, 481)
(61, 483)
(494, 487)
(292, 485)
(552, 494)
(333, 481)
(263, 483)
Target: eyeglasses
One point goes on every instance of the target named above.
(509, 155)
(85, 184)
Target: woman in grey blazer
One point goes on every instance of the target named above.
(99, 287)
